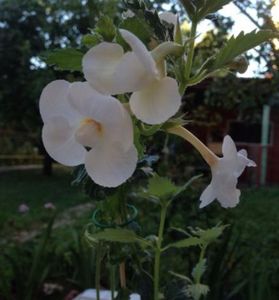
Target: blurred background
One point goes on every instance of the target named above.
(43, 215)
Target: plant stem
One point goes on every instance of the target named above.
(190, 54)
(158, 251)
(98, 270)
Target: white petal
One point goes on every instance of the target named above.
(59, 141)
(99, 65)
(229, 148)
(156, 103)
(207, 196)
(109, 165)
(231, 199)
(106, 110)
(168, 17)
(140, 51)
(130, 74)
(54, 101)
(243, 162)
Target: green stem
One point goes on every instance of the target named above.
(190, 54)
(158, 252)
(98, 269)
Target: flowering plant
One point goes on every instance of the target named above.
(135, 76)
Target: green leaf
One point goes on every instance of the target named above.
(190, 8)
(238, 45)
(117, 235)
(199, 9)
(67, 59)
(185, 243)
(91, 40)
(198, 290)
(161, 187)
(199, 270)
(209, 7)
(180, 276)
(212, 234)
(106, 28)
(138, 27)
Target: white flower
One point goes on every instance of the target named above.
(110, 71)
(225, 172)
(77, 118)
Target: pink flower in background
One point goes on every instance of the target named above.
(49, 205)
(23, 208)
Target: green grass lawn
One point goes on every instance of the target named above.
(34, 189)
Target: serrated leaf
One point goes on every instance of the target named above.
(185, 243)
(67, 59)
(198, 290)
(209, 7)
(138, 27)
(212, 234)
(180, 276)
(91, 40)
(106, 28)
(161, 187)
(118, 235)
(199, 270)
(238, 45)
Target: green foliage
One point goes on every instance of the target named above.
(116, 235)
(91, 40)
(161, 187)
(209, 235)
(106, 28)
(198, 290)
(199, 9)
(237, 46)
(199, 270)
(139, 27)
(67, 59)
(185, 243)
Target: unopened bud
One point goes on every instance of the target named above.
(239, 64)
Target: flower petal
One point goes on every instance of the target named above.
(207, 196)
(231, 199)
(140, 51)
(229, 148)
(99, 65)
(54, 101)
(106, 110)
(109, 165)
(156, 103)
(59, 141)
(130, 74)
(243, 162)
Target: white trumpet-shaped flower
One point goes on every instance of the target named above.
(82, 126)
(225, 172)
(110, 71)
